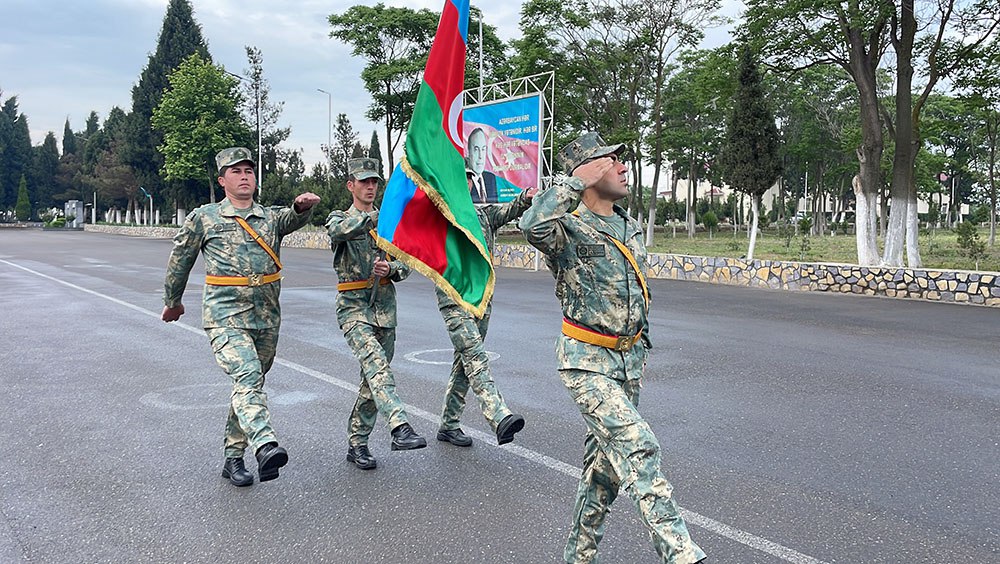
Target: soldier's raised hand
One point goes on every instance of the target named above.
(590, 172)
(305, 201)
(530, 192)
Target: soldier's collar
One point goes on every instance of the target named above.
(227, 209)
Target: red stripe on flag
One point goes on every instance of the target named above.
(445, 71)
(421, 232)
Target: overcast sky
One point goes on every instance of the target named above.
(65, 58)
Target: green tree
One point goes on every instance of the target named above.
(496, 61)
(180, 36)
(853, 36)
(69, 145)
(23, 207)
(375, 152)
(980, 86)
(395, 43)
(15, 150)
(45, 166)
(696, 105)
(8, 195)
(271, 135)
(817, 115)
(750, 159)
(344, 140)
(198, 116)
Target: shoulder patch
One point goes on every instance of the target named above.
(222, 227)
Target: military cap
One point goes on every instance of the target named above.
(363, 168)
(586, 146)
(233, 155)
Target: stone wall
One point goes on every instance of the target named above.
(300, 239)
(959, 286)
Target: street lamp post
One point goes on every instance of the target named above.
(149, 219)
(260, 144)
(329, 138)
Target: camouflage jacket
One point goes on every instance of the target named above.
(228, 250)
(491, 218)
(354, 254)
(595, 284)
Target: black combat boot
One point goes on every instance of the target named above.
(236, 472)
(270, 457)
(455, 437)
(361, 457)
(506, 429)
(405, 438)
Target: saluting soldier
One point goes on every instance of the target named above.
(240, 241)
(366, 312)
(596, 254)
(470, 364)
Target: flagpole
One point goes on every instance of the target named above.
(480, 55)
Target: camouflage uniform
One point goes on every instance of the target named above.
(369, 327)
(470, 365)
(599, 290)
(241, 321)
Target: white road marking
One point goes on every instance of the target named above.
(748, 539)
(415, 356)
(162, 400)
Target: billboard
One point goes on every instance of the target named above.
(503, 147)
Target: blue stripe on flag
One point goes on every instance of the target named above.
(463, 18)
(398, 194)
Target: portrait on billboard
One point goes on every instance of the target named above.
(502, 148)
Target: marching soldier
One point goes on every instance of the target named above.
(596, 254)
(470, 365)
(240, 241)
(366, 312)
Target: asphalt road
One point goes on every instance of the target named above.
(796, 427)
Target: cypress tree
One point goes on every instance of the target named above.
(375, 152)
(7, 194)
(69, 140)
(44, 167)
(179, 37)
(750, 159)
(23, 208)
(17, 153)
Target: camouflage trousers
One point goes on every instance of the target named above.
(245, 355)
(620, 451)
(469, 367)
(373, 347)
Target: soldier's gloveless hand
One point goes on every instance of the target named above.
(305, 201)
(172, 313)
(591, 172)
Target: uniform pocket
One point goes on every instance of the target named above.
(589, 401)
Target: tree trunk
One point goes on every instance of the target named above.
(868, 182)
(912, 231)
(864, 227)
(753, 225)
(903, 189)
(692, 191)
(991, 134)
(651, 216)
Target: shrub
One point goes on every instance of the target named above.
(969, 242)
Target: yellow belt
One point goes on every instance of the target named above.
(361, 284)
(618, 343)
(252, 280)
